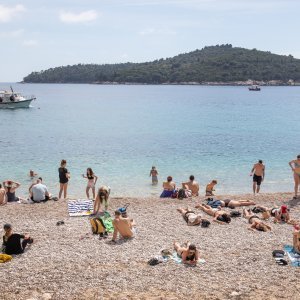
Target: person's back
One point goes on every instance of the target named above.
(39, 192)
(192, 185)
(123, 226)
(259, 169)
(2, 195)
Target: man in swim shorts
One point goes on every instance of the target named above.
(258, 173)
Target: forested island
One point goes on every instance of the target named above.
(221, 64)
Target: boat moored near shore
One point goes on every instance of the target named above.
(10, 99)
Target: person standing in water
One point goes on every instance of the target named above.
(64, 177)
(92, 179)
(154, 173)
(258, 173)
(295, 166)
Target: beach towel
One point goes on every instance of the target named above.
(178, 259)
(107, 220)
(80, 207)
(214, 203)
(292, 255)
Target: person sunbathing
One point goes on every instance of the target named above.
(192, 187)
(280, 214)
(191, 217)
(169, 186)
(234, 203)
(255, 222)
(122, 226)
(219, 216)
(12, 241)
(188, 253)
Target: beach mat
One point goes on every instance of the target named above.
(80, 207)
(292, 255)
(178, 259)
(107, 220)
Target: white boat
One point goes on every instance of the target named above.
(10, 99)
(254, 88)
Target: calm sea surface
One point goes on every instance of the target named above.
(121, 131)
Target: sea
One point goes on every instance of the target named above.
(121, 131)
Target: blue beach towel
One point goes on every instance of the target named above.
(166, 194)
(80, 207)
(214, 203)
(178, 259)
(293, 256)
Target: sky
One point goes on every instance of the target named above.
(40, 34)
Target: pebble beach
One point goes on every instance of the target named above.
(69, 262)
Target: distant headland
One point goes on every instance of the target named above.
(214, 65)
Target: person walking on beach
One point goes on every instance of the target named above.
(64, 177)
(258, 173)
(295, 166)
(92, 179)
(12, 241)
(154, 173)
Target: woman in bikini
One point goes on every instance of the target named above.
(219, 216)
(92, 179)
(188, 253)
(255, 222)
(236, 203)
(191, 218)
(280, 214)
(295, 166)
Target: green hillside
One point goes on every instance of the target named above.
(222, 63)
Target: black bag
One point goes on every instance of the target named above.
(278, 253)
(181, 194)
(153, 262)
(235, 214)
(205, 223)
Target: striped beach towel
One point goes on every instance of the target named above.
(293, 256)
(80, 207)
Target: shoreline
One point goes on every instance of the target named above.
(61, 265)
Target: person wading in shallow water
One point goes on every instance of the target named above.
(258, 173)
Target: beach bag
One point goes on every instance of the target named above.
(235, 214)
(98, 226)
(5, 258)
(181, 194)
(205, 223)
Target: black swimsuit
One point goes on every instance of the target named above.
(252, 217)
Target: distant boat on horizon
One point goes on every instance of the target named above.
(254, 88)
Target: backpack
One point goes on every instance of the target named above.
(98, 226)
(181, 194)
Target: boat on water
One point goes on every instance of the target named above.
(254, 88)
(11, 99)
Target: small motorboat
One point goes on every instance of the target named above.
(10, 99)
(254, 88)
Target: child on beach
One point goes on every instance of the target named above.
(92, 179)
(12, 241)
(154, 173)
(64, 177)
(210, 188)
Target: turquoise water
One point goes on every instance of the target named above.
(122, 130)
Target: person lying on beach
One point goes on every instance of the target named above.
(210, 188)
(280, 214)
(102, 196)
(229, 203)
(190, 216)
(192, 187)
(255, 222)
(169, 187)
(12, 243)
(10, 187)
(188, 253)
(219, 216)
(3, 199)
(122, 226)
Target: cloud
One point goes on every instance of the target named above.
(30, 43)
(8, 13)
(154, 31)
(12, 34)
(83, 17)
